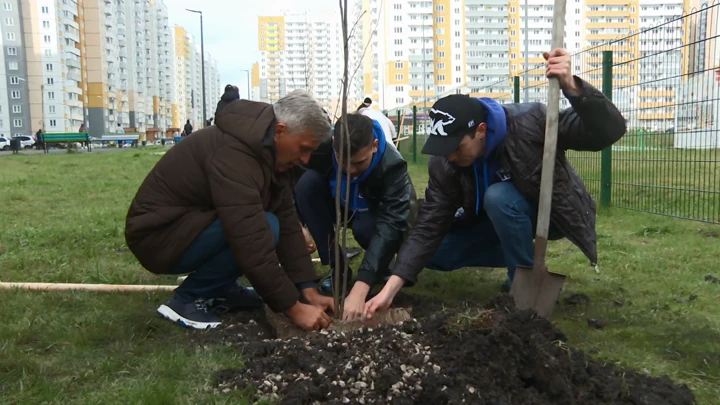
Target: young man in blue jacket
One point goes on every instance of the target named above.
(380, 206)
(481, 199)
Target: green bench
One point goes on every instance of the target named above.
(64, 137)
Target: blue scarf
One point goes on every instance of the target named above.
(496, 124)
(357, 202)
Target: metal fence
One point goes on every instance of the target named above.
(665, 79)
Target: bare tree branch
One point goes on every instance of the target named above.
(339, 223)
(367, 45)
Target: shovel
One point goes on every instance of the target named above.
(536, 287)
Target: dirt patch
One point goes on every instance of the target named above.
(459, 353)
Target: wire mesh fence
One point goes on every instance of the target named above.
(665, 80)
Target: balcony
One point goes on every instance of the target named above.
(74, 76)
(72, 35)
(72, 63)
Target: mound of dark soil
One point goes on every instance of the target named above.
(490, 354)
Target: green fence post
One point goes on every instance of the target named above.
(606, 154)
(399, 127)
(414, 135)
(516, 89)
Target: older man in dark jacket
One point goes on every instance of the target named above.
(219, 205)
(380, 204)
(481, 199)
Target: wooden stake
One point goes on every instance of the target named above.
(85, 287)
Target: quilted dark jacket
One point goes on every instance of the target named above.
(390, 196)
(592, 123)
(224, 171)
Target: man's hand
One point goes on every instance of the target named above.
(308, 317)
(308, 240)
(558, 65)
(355, 301)
(382, 301)
(313, 297)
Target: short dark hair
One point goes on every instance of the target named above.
(367, 100)
(360, 130)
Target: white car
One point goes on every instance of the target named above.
(26, 141)
(4, 144)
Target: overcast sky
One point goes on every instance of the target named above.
(231, 29)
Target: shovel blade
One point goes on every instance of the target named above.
(536, 289)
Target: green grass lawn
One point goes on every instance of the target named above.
(63, 218)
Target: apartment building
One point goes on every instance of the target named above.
(304, 51)
(255, 82)
(188, 84)
(41, 64)
(108, 64)
(421, 49)
(213, 88)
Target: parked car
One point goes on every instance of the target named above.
(4, 144)
(26, 141)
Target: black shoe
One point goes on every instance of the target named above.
(236, 298)
(188, 313)
(327, 285)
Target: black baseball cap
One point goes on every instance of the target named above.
(451, 118)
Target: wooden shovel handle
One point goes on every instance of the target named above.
(551, 134)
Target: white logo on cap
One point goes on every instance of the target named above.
(437, 126)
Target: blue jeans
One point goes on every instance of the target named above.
(316, 208)
(210, 262)
(504, 239)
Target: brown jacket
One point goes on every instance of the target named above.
(224, 171)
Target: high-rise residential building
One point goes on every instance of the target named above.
(41, 64)
(417, 50)
(128, 66)
(108, 64)
(254, 82)
(304, 51)
(188, 81)
(213, 89)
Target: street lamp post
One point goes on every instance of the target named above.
(202, 61)
(248, 82)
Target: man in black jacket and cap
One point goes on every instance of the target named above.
(481, 199)
(231, 94)
(381, 203)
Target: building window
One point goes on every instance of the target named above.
(45, 9)
(9, 21)
(51, 109)
(14, 80)
(7, 6)
(49, 67)
(398, 76)
(17, 122)
(46, 24)
(13, 66)
(12, 51)
(51, 95)
(47, 39)
(53, 123)
(440, 77)
(50, 80)
(10, 36)
(15, 94)
(16, 108)
(398, 65)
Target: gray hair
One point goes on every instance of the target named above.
(299, 111)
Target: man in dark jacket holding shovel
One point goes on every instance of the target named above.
(481, 199)
(220, 205)
(380, 205)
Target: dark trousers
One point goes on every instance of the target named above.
(211, 263)
(505, 239)
(316, 208)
